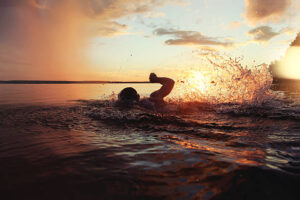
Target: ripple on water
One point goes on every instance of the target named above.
(182, 154)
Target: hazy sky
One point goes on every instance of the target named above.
(128, 39)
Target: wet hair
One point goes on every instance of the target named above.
(128, 94)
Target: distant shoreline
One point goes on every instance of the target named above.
(68, 82)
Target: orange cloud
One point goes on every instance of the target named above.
(52, 34)
(259, 11)
(110, 29)
(189, 38)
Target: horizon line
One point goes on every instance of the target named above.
(275, 79)
(64, 82)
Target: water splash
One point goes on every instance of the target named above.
(224, 80)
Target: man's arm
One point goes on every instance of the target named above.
(167, 86)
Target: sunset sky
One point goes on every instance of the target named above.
(127, 39)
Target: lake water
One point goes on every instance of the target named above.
(71, 142)
(63, 93)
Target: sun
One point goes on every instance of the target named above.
(193, 85)
(197, 81)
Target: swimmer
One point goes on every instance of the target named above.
(129, 96)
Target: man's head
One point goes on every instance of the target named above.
(128, 94)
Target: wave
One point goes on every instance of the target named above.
(222, 79)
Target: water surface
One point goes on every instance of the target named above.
(71, 142)
(62, 93)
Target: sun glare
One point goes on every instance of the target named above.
(197, 81)
(224, 80)
(290, 66)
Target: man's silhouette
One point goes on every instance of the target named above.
(129, 95)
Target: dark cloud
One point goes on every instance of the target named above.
(262, 33)
(266, 10)
(189, 38)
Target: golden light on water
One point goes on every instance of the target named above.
(246, 156)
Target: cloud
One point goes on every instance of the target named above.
(52, 34)
(260, 11)
(189, 38)
(97, 14)
(114, 9)
(106, 12)
(262, 33)
(110, 29)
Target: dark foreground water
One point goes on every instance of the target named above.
(51, 148)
